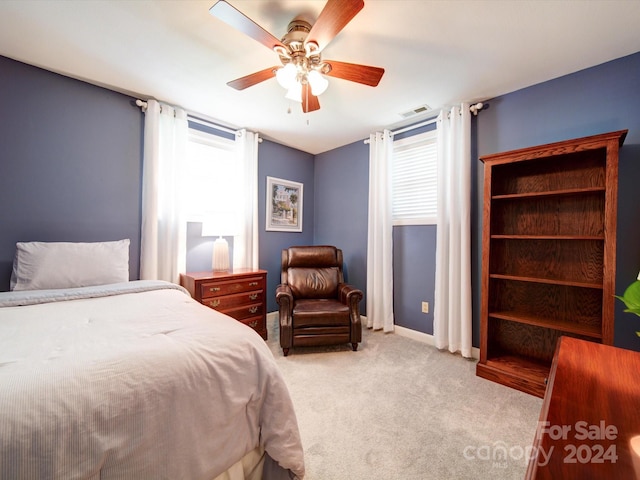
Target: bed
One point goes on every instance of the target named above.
(135, 379)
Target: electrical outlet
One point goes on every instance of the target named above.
(425, 307)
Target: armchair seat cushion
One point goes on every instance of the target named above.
(320, 312)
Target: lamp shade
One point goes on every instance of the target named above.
(318, 83)
(220, 224)
(295, 92)
(286, 75)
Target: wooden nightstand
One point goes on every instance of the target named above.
(589, 414)
(241, 294)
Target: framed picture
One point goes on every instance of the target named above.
(284, 205)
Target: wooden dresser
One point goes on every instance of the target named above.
(590, 412)
(241, 294)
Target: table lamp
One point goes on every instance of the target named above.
(220, 224)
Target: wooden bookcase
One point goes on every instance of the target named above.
(548, 256)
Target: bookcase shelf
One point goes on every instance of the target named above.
(565, 326)
(550, 237)
(548, 260)
(554, 193)
(520, 372)
(550, 281)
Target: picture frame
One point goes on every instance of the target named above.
(284, 205)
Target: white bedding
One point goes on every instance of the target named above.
(136, 381)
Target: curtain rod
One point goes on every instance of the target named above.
(192, 117)
(208, 123)
(410, 127)
(475, 108)
(417, 125)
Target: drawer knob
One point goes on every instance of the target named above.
(214, 303)
(253, 296)
(253, 309)
(214, 289)
(253, 284)
(253, 324)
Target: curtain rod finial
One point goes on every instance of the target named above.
(476, 108)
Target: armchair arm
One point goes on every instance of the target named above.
(284, 298)
(351, 296)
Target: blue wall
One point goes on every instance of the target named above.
(275, 160)
(341, 208)
(596, 100)
(414, 276)
(70, 169)
(70, 163)
(342, 191)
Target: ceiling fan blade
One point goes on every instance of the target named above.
(310, 102)
(238, 20)
(355, 73)
(253, 79)
(333, 18)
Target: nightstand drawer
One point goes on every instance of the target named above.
(244, 311)
(217, 288)
(238, 299)
(257, 323)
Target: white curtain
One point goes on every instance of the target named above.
(380, 234)
(163, 243)
(245, 243)
(452, 310)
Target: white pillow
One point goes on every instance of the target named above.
(45, 265)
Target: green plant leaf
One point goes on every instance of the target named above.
(631, 298)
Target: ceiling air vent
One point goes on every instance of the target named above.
(416, 111)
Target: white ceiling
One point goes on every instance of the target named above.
(434, 52)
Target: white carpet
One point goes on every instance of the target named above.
(400, 409)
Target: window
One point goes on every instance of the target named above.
(212, 174)
(415, 194)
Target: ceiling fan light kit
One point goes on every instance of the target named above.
(303, 71)
(286, 75)
(318, 83)
(291, 78)
(294, 92)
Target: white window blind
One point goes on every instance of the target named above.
(414, 190)
(212, 174)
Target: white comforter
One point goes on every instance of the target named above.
(139, 382)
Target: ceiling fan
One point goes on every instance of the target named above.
(302, 68)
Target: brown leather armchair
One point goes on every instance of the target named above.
(316, 306)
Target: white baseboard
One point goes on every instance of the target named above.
(415, 335)
(402, 331)
(426, 338)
